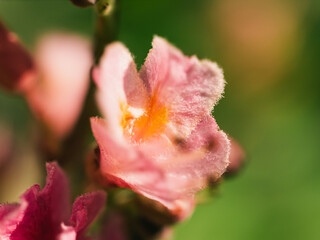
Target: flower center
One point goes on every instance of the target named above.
(140, 127)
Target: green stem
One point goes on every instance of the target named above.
(106, 25)
(76, 147)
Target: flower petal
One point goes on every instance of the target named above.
(172, 182)
(68, 233)
(6, 210)
(9, 215)
(123, 163)
(207, 138)
(118, 83)
(56, 193)
(188, 86)
(64, 63)
(15, 62)
(203, 156)
(41, 212)
(85, 210)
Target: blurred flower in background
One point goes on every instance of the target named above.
(15, 62)
(259, 39)
(59, 87)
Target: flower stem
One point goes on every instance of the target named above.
(75, 148)
(106, 25)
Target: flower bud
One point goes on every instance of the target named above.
(236, 158)
(83, 3)
(15, 61)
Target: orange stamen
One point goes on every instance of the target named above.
(150, 124)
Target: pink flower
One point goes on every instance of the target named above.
(61, 83)
(15, 62)
(158, 138)
(43, 214)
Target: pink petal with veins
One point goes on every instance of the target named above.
(189, 86)
(117, 80)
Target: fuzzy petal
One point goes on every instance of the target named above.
(215, 145)
(170, 151)
(85, 209)
(64, 63)
(123, 162)
(15, 62)
(175, 183)
(200, 158)
(188, 86)
(119, 84)
(156, 71)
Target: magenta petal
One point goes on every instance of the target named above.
(15, 61)
(56, 193)
(45, 209)
(41, 212)
(5, 210)
(85, 209)
(9, 218)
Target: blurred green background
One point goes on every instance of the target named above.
(269, 50)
